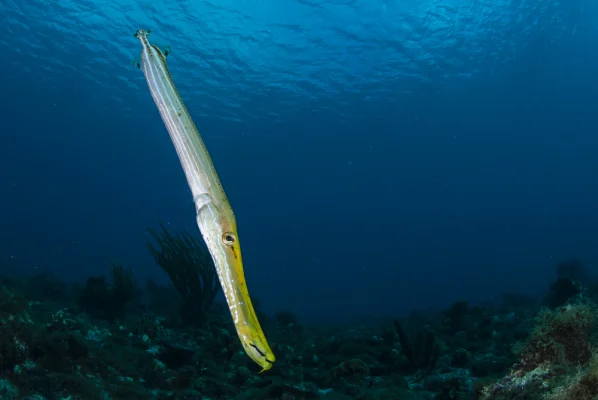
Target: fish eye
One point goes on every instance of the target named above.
(229, 238)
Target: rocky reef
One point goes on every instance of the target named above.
(111, 339)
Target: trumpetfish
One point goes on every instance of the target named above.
(215, 217)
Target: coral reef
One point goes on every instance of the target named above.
(186, 260)
(88, 344)
(104, 300)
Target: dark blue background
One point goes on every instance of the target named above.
(379, 156)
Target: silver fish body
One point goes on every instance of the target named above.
(215, 217)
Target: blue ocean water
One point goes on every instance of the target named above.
(380, 155)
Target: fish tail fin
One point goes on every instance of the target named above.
(142, 33)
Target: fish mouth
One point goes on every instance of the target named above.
(262, 354)
(226, 253)
(244, 317)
